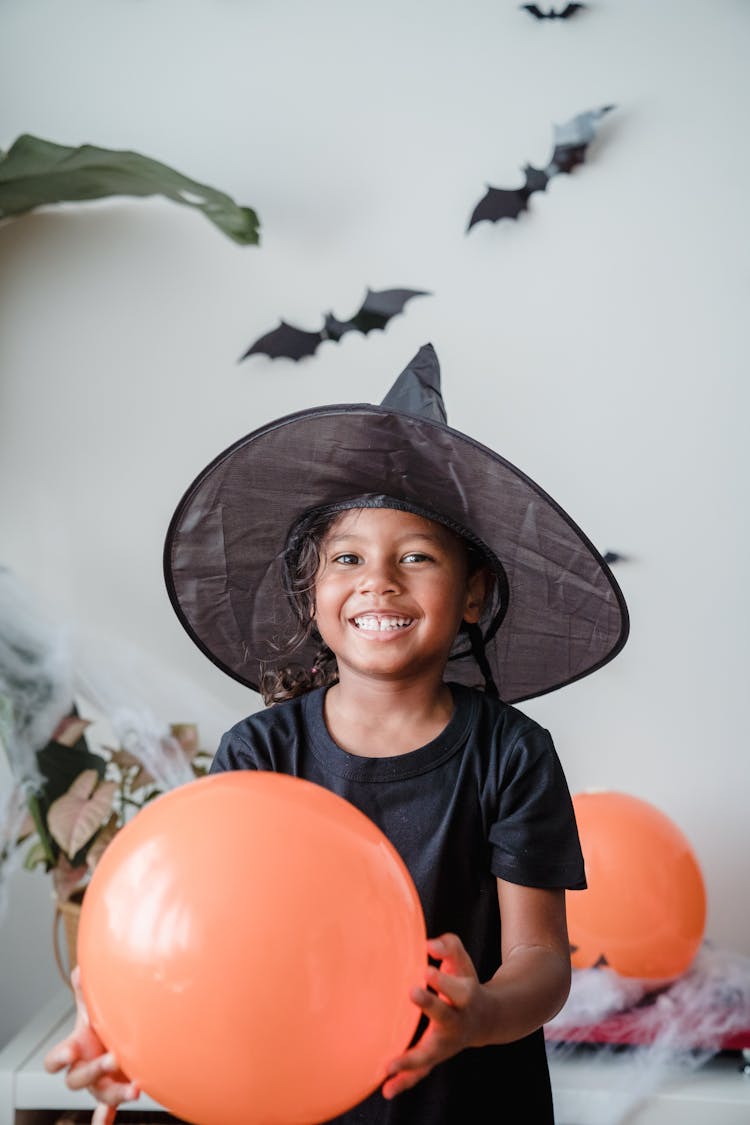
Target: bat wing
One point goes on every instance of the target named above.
(551, 14)
(286, 340)
(499, 203)
(508, 203)
(374, 312)
(573, 138)
(566, 157)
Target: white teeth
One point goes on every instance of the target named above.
(381, 624)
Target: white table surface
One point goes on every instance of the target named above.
(602, 1088)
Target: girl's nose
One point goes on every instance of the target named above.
(378, 578)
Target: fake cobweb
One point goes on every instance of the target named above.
(672, 1031)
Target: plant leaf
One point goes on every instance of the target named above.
(140, 779)
(60, 765)
(187, 736)
(35, 172)
(34, 856)
(104, 838)
(26, 827)
(67, 879)
(76, 816)
(123, 759)
(132, 770)
(40, 822)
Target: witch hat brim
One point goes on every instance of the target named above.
(563, 615)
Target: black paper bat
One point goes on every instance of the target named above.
(374, 312)
(571, 141)
(612, 557)
(563, 13)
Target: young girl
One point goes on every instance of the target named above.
(421, 579)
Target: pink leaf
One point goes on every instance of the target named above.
(76, 816)
(104, 838)
(140, 779)
(123, 759)
(67, 879)
(187, 736)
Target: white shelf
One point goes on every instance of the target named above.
(26, 1085)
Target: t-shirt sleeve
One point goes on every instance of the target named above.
(535, 839)
(235, 752)
(268, 739)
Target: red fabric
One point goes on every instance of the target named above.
(632, 1029)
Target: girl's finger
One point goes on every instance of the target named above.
(404, 1080)
(451, 989)
(103, 1115)
(75, 983)
(87, 1073)
(61, 1055)
(449, 949)
(114, 1093)
(431, 1005)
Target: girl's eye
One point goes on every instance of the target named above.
(347, 559)
(416, 556)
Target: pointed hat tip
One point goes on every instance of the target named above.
(417, 388)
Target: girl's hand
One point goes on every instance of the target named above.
(454, 1010)
(89, 1064)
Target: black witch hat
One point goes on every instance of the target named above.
(558, 614)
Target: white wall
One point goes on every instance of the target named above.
(599, 342)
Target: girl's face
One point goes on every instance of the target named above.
(391, 592)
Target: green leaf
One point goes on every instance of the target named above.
(35, 172)
(35, 855)
(45, 840)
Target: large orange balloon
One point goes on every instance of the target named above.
(644, 912)
(247, 945)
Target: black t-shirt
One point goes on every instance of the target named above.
(486, 799)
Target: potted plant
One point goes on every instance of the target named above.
(84, 798)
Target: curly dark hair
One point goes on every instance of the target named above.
(300, 565)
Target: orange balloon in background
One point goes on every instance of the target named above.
(247, 945)
(644, 912)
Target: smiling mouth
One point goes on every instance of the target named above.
(375, 623)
